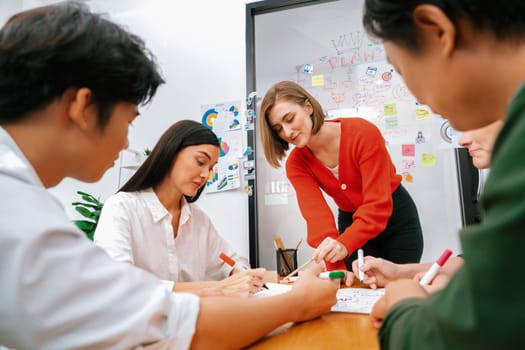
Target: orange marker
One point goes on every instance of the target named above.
(231, 262)
(234, 264)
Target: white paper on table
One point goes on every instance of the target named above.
(357, 300)
(273, 289)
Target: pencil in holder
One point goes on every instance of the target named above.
(286, 261)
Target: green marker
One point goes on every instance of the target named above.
(332, 275)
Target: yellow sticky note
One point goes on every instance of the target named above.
(390, 109)
(422, 114)
(317, 80)
(428, 159)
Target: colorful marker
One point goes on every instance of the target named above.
(332, 275)
(235, 264)
(431, 273)
(360, 261)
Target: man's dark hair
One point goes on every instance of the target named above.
(392, 20)
(157, 166)
(47, 50)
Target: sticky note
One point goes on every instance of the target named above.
(408, 150)
(390, 109)
(407, 177)
(422, 114)
(409, 165)
(428, 159)
(391, 122)
(317, 80)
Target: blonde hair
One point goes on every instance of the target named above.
(274, 147)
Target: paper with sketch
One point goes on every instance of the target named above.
(357, 300)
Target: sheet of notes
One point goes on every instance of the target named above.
(356, 300)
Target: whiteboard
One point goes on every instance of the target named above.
(324, 48)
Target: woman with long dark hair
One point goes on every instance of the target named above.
(152, 222)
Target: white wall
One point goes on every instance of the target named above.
(200, 46)
(9, 7)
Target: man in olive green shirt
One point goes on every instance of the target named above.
(466, 60)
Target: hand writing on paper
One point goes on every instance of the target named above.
(243, 283)
(330, 250)
(378, 272)
(395, 292)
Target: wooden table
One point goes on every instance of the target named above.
(335, 330)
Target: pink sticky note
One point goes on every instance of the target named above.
(408, 150)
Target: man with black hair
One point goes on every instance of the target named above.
(465, 59)
(70, 84)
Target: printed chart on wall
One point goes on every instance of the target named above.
(225, 121)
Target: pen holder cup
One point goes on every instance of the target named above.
(286, 261)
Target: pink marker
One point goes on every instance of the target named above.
(431, 273)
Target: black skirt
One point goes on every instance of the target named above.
(401, 241)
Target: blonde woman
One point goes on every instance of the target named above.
(347, 159)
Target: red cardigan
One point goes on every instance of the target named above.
(367, 179)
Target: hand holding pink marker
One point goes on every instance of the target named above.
(434, 269)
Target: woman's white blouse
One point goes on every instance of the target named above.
(136, 228)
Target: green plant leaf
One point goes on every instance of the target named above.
(87, 205)
(90, 199)
(90, 209)
(84, 212)
(85, 225)
(84, 194)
